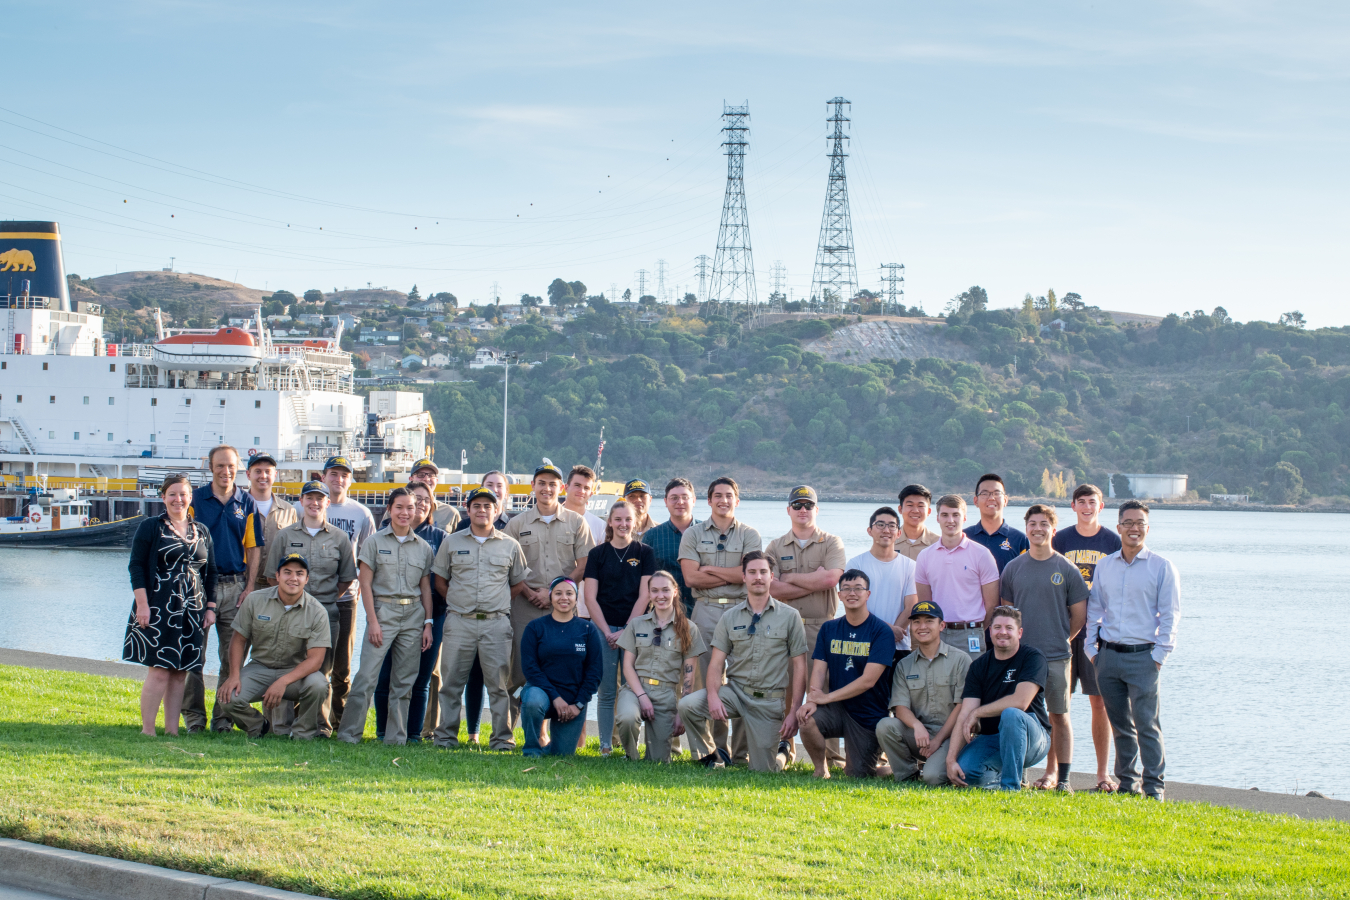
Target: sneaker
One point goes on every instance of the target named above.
(713, 761)
(785, 753)
(724, 756)
(1064, 787)
(266, 729)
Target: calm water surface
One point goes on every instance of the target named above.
(1249, 699)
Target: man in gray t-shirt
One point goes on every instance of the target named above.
(1052, 595)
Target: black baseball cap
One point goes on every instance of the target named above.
(261, 458)
(926, 608)
(425, 463)
(315, 487)
(480, 492)
(802, 492)
(636, 486)
(337, 462)
(293, 558)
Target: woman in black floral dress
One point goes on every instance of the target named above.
(173, 575)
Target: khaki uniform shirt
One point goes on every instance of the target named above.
(329, 554)
(660, 658)
(930, 689)
(278, 517)
(281, 638)
(397, 567)
(905, 547)
(760, 661)
(699, 543)
(480, 575)
(786, 556)
(551, 548)
(445, 517)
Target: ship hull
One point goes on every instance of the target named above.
(110, 535)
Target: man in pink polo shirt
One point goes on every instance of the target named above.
(960, 576)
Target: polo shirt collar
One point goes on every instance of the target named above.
(1001, 529)
(965, 541)
(208, 491)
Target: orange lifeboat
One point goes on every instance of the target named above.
(228, 350)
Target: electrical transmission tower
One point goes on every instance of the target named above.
(661, 294)
(779, 273)
(733, 275)
(892, 287)
(642, 283)
(835, 280)
(702, 260)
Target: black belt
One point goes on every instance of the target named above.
(229, 577)
(1123, 648)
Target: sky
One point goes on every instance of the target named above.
(1153, 157)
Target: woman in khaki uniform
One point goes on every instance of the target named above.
(661, 650)
(395, 575)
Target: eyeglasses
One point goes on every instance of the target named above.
(1133, 523)
(803, 504)
(985, 495)
(754, 620)
(856, 589)
(886, 526)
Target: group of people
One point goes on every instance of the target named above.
(948, 657)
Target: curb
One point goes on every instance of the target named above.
(84, 876)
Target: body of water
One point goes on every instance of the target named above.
(1247, 700)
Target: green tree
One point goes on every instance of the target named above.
(414, 296)
(1294, 319)
(1283, 484)
(313, 295)
(1120, 486)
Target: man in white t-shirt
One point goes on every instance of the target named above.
(891, 574)
(581, 483)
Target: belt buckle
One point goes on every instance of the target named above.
(758, 695)
(480, 615)
(723, 600)
(651, 681)
(404, 601)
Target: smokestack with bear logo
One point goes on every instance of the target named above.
(31, 252)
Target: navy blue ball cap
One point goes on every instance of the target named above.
(481, 492)
(337, 462)
(315, 487)
(926, 608)
(294, 559)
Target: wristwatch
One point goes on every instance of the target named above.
(426, 621)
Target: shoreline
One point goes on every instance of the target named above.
(1112, 503)
(1297, 805)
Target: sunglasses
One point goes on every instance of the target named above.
(721, 542)
(803, 504)
(656, 636)
(754, 620)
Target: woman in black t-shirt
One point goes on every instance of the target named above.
(617, 576)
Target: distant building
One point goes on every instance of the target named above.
(1152, 487)
(237, 323)
(415, 320)
(411, 358)
(485, 357)
(312, 320)
(439, 360)
(381, 337)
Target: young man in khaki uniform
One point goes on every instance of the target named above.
(763, 644)
(275, 514)
(444, 516)
(926, 700)
(395, 579)
(286, 634)
(555, 542)
(332, 570)
(807, 564)
(476, 569)
(915, 535)
(710, 560)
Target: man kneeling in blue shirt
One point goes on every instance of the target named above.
(1003, 726)
(855, 652)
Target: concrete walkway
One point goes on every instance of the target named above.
(1260, 801)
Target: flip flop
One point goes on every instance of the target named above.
(1043, 783)
(1106, 787)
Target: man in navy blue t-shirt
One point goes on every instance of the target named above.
(855, 652)
(992, 532)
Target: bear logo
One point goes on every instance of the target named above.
(15, 260)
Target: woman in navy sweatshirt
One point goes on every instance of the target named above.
(562, 655)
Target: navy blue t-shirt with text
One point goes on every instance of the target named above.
(846, 650)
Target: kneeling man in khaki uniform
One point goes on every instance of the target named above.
(926, 699)
(763, 644)
(288, 631)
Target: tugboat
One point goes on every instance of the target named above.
(60, 518)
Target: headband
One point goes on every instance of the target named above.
(559, 580)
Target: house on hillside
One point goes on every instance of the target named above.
(383, 361)
(1055, 325)
(439, 360)
(381, 337)
(408, 361)
(237, 323)
(485, 357)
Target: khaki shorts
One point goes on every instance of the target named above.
(1057, 686)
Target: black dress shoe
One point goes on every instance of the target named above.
(714, 760)
(266, 729)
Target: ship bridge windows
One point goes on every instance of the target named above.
(51, 399)
(154, 401)
(110, 435)
(257, 404)
(77, 435)
(111, 402)
(222, 402)
(257, 441)
(112, 367)
(44, 365)
(86, 401)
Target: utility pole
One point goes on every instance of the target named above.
(496, 299)
(892, 286)
(835, 280)
(702, 260)
(779, 276)
(613, 291)
(507, 359)
(661, 281)
(642, 283)
(733, 279)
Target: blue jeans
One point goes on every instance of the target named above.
(609, 689)
(534, 708)
(417, 703)
(1020, 742)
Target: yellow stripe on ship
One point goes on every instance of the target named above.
(29, 236)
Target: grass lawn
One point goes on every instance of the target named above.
(365, 822)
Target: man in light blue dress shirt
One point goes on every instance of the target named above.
(1132, 616)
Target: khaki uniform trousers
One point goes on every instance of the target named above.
(706, 616)
(401, 625)
(523, 612)
(490, 638)
(760, 719)
(254, 680)
(897, 741)
(628, 720)
(284, 714)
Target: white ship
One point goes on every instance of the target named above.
(73, 406)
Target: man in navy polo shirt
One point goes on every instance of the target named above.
(227, 511)
(991, 532)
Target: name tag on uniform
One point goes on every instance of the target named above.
(785, 558)
(264, 618)
(388, 552)
(643, 635)
(525, 533)
(974, 643)
(461, 552)
(297, 545)
(705, 542)
(912, 677)
(737, 627)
